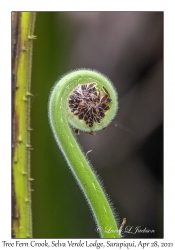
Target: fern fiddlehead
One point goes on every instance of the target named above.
(86, 100)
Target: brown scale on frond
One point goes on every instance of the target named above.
(89, 103)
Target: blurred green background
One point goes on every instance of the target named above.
(128, 156)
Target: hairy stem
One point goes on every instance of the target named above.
(22, 36)
(60, 117)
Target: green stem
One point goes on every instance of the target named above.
(22, 35)
(60, 116)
